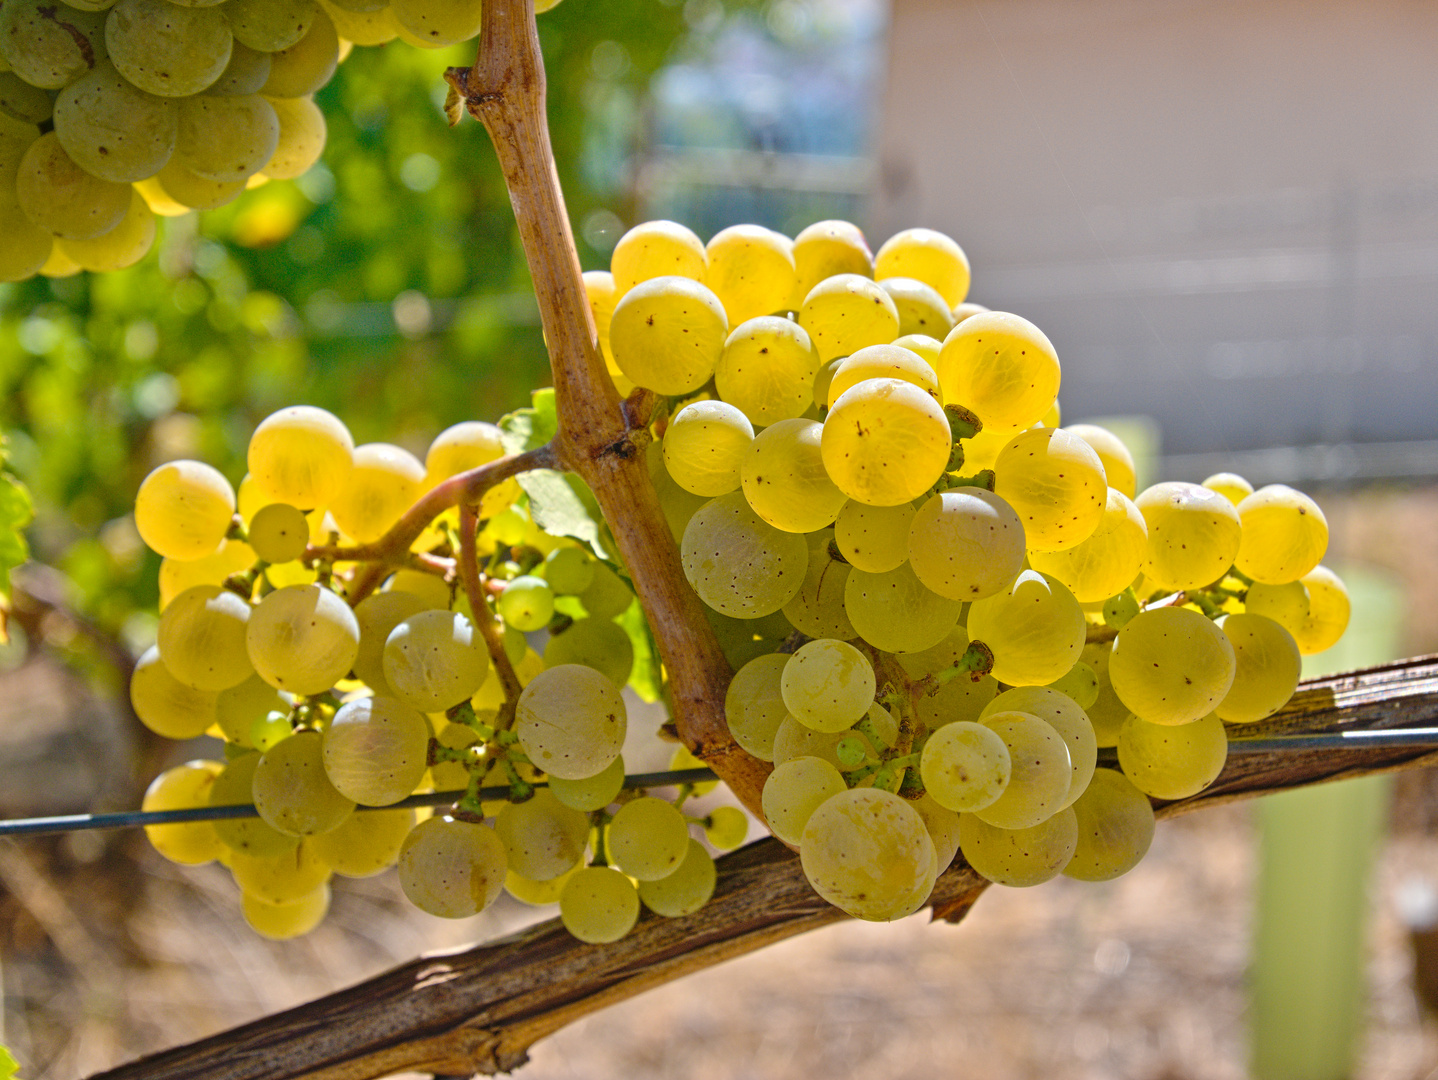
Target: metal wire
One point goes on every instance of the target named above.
(130, 819)
(1339, 740)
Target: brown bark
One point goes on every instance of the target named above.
(479, 1009)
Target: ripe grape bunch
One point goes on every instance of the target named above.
(939, 604)
(114, 111)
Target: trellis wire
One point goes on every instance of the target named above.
(1340, 740)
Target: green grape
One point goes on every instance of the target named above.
(28, 248)
(434, 660)
(608, 595)
(874, 538)
(826, 248)
(1328, 611)
(292, 790)
(885, 441)
(728, 827)
(684, 891)
(740, 640)
(164, 704)
(922, 345)
(596, 643)
(751, 269)
(281, 922)
(1287, 604)
(1108, 561)
(270, 730)
(1267, 667)
(280, 879)
(961, 698)
(202, 638)
(1118, 610)
(784, 478)
(302, 137)
(189, 191)
(657, 249)
(1041, 771)
(569, 570)
(868, 852)
(537, 893)
(124, 245)
(794, 791)
(817, 609)
(543, 838)
(1107, 713)
(383, 484)
(430, 589)
(1034, 627)
(1231, 486)
(166, 49)
(375, 750)
(1284, 535)
(377, 615)
(1055, 482)
(1065, 716)
(453, 775)
(882, 362)
(278, 533)
(1193, 535)
(846, 312)
(571, 721)
(1117, 461)
(921, 309)
(677, 505)
(527, 603)
(821, 385)
(828, 685)
(929, 256)
(599, 905)
(190, 843)
(302, 638)
(1002, 367)
(668, 333)
(590, 793)
(704, 445)
(246, 72)
(300, 455)
(1080, 684)
(235, 787)
(226, 139)
(364, 844)
(183, 509)
(767, 369)
(1115, 828)
(29, 105)
(754, 704)
(1169, 762)
(48, 51)
(965, 766)
(451, 868)
(1019, 857)
(965, 544)
(648, 838)
(302, 68)
(896, 612)
(1171, 665)
(270, 25)
(113, 130)
(739, 564)
(793, 740)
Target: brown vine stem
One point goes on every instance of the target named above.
(505, 91)
(479, 1009)
(474, 589)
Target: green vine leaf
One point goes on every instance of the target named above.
(525, 429)
(647, 676)
(16, 512)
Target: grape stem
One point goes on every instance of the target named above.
(484, 618)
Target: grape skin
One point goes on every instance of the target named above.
(684, 891)
(1022, 857)
(885, 442)
(754, 704)
(183, 510)
(1267, 667)
(302, 638)
(599, 905)
(543, 838)
(965, 544)
(375, 750)
(654, 249)
(1035, 629)
(192, 843)
(292, 791)
(868, 853)
(571, 721)
(451, 868)
(794, 790)
(647, 838)
(1063, 714)
(785, 478)
(828, 685)
(202, 638)
(965, 766)
(1172, 762)
(896, 612)
(739, 564)
(1041, 771)
(1001, 366)
(1171, 665)
(1115, 828)
(929, 256)
(164, 704)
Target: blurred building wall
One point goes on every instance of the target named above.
(1224, 214)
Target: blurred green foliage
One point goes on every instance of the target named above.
(387, 285)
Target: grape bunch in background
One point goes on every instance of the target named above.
(939, 605)
(114, 111)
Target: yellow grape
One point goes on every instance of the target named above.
(785, 480)
(657, 249)
(1172, 762)
(184, 787)
(302, 139)
(929, 256)
(965, 544)
(648, 838)
(571, 721)
(592, 792)
(300, 455)
(1285, 535)
(896, 612)
(894, 877)
(175, 185)
(882, 362)
(965, 766)
(292, 790)
(794, 790)
(1001, 366)
(1231, 486)
(1065, 716)
(281, 922)
(1107, 712)
(828, 685)
(112, 129)
(1115, 828)
(1041, 771)
(926, 347)
(599, 905)
(363, 27)
(302, 638)
(1267, 667)
(238, 708)
(364, 844)
(375, 750)
(603, 295)
(817, 609)
(767, 369)
(167, 49)
(751, 270)
(543, 838)
(1193, 535)
(183, 509)
(921, 309)
(202, 638)
(433, 25)
(124, 245)
(846, 312)
(824, 249)
(1034, 627)
(668, 333)
(885, 442)
(1328, 611)
(270, 25)
(684, 891)
(874, 538)
(244, 74)
(1171, 665)
(1108, 561)
(227, 138)
(451, 868)
(47, 52)
(1117, 461)
(537, 893)
(704, 446)
(280, 879)
(305, 66)
(383, 484)
(739, 564)
(235, 787)
(1023, 857)
(59, 196)
(754, 704)
(1056, 483)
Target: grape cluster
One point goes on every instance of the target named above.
(114, 111)
(941, 602)
(328, 699)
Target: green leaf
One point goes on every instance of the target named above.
(647, 678)
(524, 429)
(562, 505)
(8, 1065)
(16, 511)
